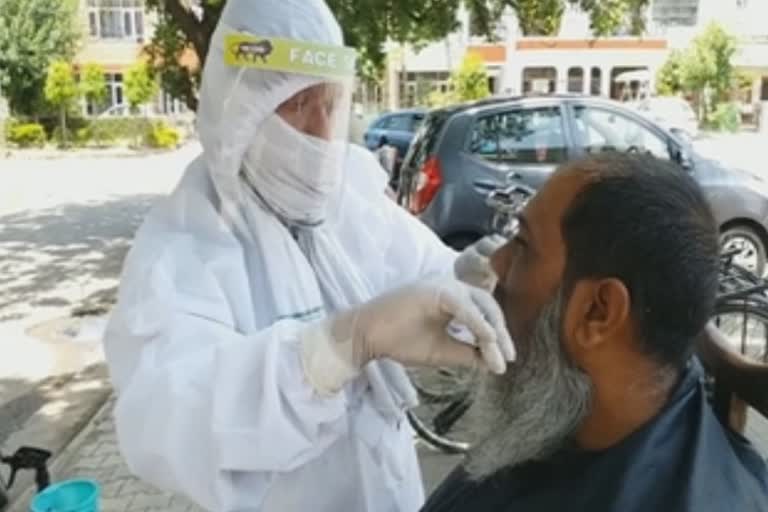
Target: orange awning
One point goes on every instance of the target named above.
(490, 53)
(551, 43)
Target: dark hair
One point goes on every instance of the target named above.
(646, 222)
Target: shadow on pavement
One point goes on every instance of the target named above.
(66, 256)
(49, 414)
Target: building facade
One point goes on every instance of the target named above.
(115, 33)
(574, 61)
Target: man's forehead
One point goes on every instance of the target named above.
(545, 211)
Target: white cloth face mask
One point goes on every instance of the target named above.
(295, 174)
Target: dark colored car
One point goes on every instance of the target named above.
(396, 129)
(462, 153)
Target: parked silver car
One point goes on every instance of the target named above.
(461, 153)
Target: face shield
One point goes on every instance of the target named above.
(295, 160)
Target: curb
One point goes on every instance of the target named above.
(21, 499)
(61, 155)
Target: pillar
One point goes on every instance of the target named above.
(605, 81)
(561, 83)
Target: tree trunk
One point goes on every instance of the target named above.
(64, 126)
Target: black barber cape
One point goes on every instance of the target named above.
(681, 461)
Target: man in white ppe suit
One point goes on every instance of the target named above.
(267, 305)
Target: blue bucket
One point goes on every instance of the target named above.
(68, 496)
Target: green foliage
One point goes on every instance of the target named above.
(93, 85)
(608, 17)
(119, 128)
(726, 117)
(139, 85)
(165, 52)
(32, 32)
(162, 136)
(669, 79)
(78, 132)
(539, 17)
(742, 80)
(707, 63)
(26, 135)
(60, 86)
(470, 81)
(437, 99)
(367, 24)
(61, 91)
(706, 70)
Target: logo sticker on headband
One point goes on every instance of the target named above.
(287, 55)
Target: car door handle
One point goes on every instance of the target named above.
(484, 186)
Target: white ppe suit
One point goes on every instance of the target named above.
(203, 346)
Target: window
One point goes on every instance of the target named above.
(399, 123)
(520, 137)
(575, 80)
(599, 130)
(116, 19)
(539, 80)
(113, 103)
(675, 12)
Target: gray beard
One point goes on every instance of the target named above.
(534, 408)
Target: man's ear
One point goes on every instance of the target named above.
(598, 309)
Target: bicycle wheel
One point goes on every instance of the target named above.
(445, 395)
(744, 323)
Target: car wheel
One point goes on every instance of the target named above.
(751, 245)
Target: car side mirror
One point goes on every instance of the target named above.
(682, 155)
(685, 160)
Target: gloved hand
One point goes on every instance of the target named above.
(473, 266)
(408, 325)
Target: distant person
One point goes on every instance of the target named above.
(608, 282)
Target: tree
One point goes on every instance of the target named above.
(61, 91)
(607, 17)
(669, 79)
(470, 81)
(539, 17)
(93, 85)
(139, 85)
(367, 24)
(706, 70)
(32, 32)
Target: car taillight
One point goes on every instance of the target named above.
(427, 183)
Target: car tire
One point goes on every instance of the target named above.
(751, 240)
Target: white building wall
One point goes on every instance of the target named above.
(563, 60)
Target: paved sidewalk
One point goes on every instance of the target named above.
(94, 454)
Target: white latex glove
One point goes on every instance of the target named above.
(408, 325)
(473, 266)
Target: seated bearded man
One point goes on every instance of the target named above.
(608, 281)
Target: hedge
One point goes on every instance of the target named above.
(26, 135)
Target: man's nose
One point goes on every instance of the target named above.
(319, 124)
